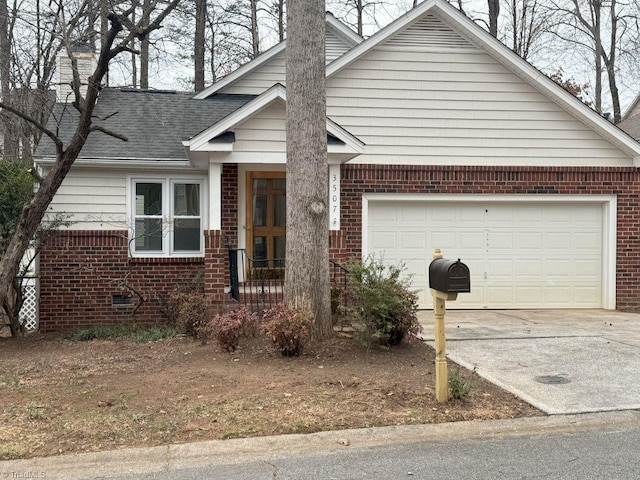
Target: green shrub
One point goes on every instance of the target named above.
(228, 328)
(288, 328)
(381, 302)
(100, 332)
(153, 334)
(113, 332)
(459, 388)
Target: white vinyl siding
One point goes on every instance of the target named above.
(455, 106)
(263, 132)
(95, 199)
(334, 46)
(273, 71)
(430, 31)
(261, 78)
(520, 254)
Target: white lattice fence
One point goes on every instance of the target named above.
(29, 311)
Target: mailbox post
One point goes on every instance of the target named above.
(447, 278)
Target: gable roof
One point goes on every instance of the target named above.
(630, 111)
(631, 126)
(347, 35)
(347, 145)
(154, 122)
(482, 39)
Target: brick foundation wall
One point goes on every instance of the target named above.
(80, 271)
(357, 180)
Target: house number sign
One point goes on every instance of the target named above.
(334, 197)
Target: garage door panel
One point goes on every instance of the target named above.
(501, 241)
(525, 241)
(384, 241)
(590, 241)
(445, 215)
(412, 214)
(412, 240)
(445, 238)
(531, 295)
(472, 240)
(528, 215)
(528, 269)
(557, 242)
(470, 214)
(587, 296)
(587, 270)
(520, 255)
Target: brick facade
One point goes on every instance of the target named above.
(623, 182)
(81, 271)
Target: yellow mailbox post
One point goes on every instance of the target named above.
(447, 278)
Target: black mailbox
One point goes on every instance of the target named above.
(449, 276)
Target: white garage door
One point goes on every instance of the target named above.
(520, 255)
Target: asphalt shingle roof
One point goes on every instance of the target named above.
(154, 122)
(631, 126)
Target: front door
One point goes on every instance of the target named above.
(266, 218)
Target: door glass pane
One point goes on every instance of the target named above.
(279, 184)
(186, 199)
(148, 198)
(260, 211)
(279, 210)
(186, 234)
(148, 234)
(260, 251)
(279, 249)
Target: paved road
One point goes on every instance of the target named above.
(587, 446)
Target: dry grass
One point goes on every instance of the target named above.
(60, 396)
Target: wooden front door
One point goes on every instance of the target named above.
(266, 218)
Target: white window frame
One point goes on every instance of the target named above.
(167, 183)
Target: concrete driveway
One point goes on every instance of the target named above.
(560, 361)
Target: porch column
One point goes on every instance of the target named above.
(215, 196)
(334, 197)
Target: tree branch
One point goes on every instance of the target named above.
(111, 133)
(54, 138)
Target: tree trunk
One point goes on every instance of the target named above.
(201, 17)
(255, 38)
(144, 49)
(280, 6)
(6, 122)
(494, 12)
(307, 251)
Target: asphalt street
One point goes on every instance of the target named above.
(587, 446)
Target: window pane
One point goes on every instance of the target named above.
(186, 234)
(259, 184)
(279, 249)
(259, 251)
(186, 199)
(148, 234)
(148, 198)
(260, 211)
(279, 184)
(279, 211)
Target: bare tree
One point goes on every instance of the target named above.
(526, 23)
(199, 44)
(307, 250)
(119, 35)
(494, 14)
(604, 29)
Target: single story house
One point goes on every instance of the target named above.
(438, 136)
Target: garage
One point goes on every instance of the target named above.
(522, 253)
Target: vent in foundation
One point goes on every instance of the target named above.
(121, 300)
